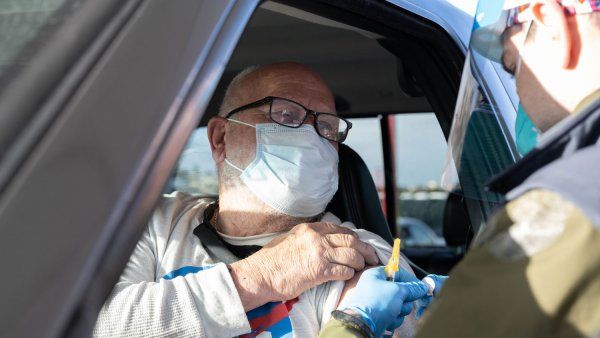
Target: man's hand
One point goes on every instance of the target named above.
(310, 254)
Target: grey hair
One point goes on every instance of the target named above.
(230, 95)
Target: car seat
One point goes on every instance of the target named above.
(356, 199)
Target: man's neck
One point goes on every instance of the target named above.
(252, 219)
(242, 224)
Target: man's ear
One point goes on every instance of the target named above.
(216, 138)
(549, 15)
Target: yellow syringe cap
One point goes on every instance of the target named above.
(393, 264)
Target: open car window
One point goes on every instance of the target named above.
(380, 90)
(196, 171)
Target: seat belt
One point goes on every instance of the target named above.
(217, 249)
(214, 246)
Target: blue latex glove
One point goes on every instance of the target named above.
(382, 305)
(404, 276)
(423, 303)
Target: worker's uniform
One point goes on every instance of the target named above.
(535, 269)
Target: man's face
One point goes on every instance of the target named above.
(513, 38)
(296, 84)
(515, 41)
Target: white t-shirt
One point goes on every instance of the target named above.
(172, 287)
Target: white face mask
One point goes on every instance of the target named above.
(294, 171)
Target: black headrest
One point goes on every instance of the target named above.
(357, 199)
(456, 227)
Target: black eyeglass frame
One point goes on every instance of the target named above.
(269, 100)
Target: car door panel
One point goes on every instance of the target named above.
(96, 173)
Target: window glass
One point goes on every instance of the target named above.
(478, 149)
(196, 171)
(365, 139)
(20, 22)
(419, 150)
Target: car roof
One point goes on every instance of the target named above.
(455, 16)
(279, 33)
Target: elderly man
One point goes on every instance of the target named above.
(266, 258)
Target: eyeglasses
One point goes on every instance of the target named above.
(292, 114)
(493, 17)
(522, 13)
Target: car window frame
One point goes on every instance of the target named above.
(94, 241)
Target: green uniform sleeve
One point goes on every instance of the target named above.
(533, 272)
(336, 329)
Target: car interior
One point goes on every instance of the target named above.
(380, 63)
(80, 118)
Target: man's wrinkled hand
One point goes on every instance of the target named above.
(309, 255)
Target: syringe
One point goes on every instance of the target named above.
(393, 264)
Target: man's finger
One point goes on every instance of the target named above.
(331, 228)
(338, 272)
(344, 240)
(346, 256)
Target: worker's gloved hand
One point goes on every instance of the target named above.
(439, 281)
(381, 304)
(404, 276)
(423, 303)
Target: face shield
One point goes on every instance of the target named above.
(477, 146)
(492, 18)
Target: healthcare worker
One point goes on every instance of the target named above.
(534, 271)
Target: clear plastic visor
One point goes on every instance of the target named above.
(491, 19)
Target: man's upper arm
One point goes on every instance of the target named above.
(141, 266)
(194, 304)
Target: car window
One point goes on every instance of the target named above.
(196, 171)
(479, 148)
(419, 148)
(365, 139)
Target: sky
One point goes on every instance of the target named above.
(419, 143)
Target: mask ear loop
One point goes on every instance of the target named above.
(242, 122)
(233, 165)
(226, 159)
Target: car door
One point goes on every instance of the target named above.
(97, 100)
